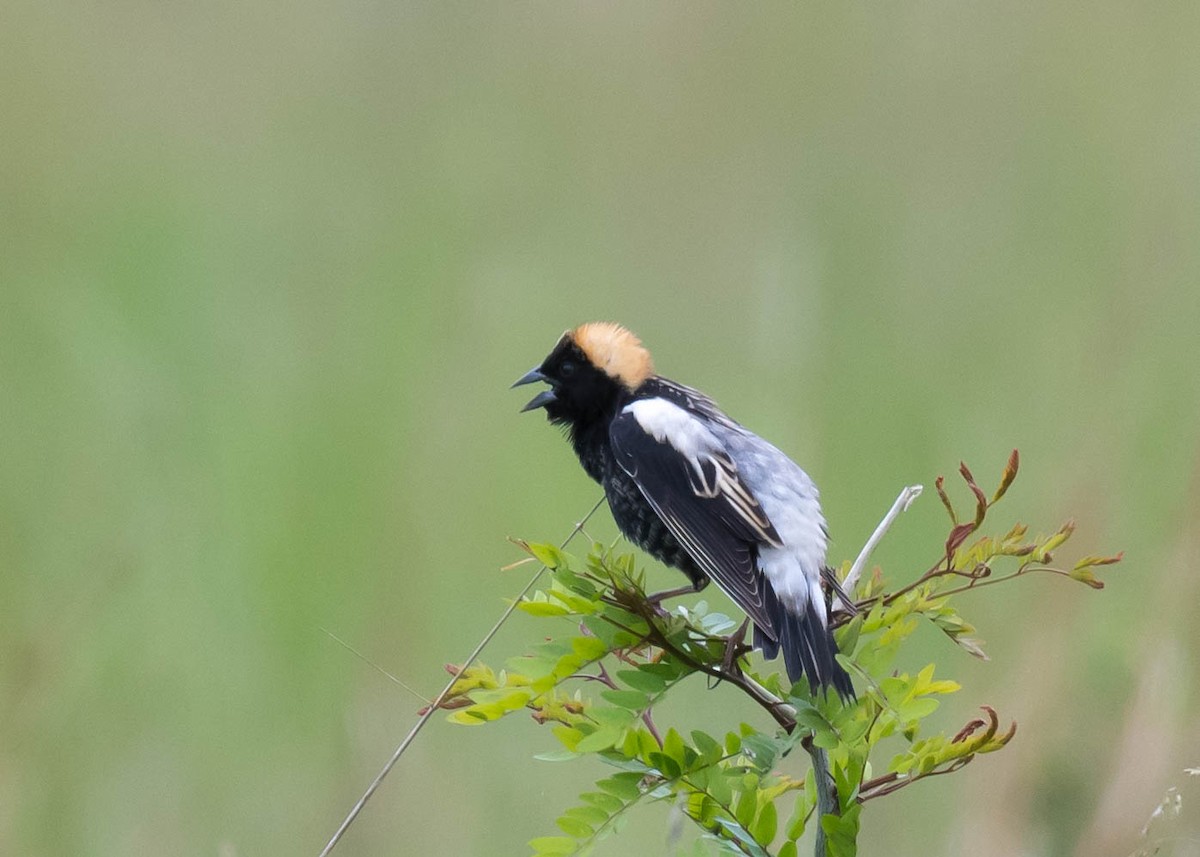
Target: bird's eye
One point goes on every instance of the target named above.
(567, 369)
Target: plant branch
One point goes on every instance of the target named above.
(903, 501)
(446, 691)
(784, 714)
(777, 708)
(890, 783)
(1023, 570)
(827, 799)
(374, 665)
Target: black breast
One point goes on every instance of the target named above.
(642, 526)
(635, 517)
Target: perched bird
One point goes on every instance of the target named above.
(697, 491)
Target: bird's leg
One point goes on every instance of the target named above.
(734, 645)
(696, 586)
(655, 600)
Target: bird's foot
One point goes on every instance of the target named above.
(735, 647)
(657, 598)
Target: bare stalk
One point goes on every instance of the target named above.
(441, 697)
(903, 501)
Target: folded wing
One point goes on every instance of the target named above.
(690, 481)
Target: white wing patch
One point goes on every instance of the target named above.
(713, 473)
(669, 423)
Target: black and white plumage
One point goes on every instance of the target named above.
(698, 491)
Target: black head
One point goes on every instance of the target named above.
(589, 369)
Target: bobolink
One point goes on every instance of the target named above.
(697, 491)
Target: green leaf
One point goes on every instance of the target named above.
(575, 603)
(552, 846)
(589, 648)
(634, 700)
(766, 823)
(556, 756)
(573, 827)
(472, 716)
(1085, 575)
(800, 812)
(848, 635)
(643, 680)
(943, 686)
(674, 747)
(925, 685)
(603, 801)
(513, 701)
(762, 750)
(701, 807)
(570, 580)
(826, 740)
(740, 835)
(590, 815)
(623, 785)
(709, 749)
(1044, 551)
(814, 719)
(646, 742)
(721, 783)
(601, 739)
(664, 763)
(617, 718)
(543, 608)
(612, 636)
(629, 744)
(717, 623)
(842, 831)
(745, 808)
(568, 735)
(547, 555)
(668, 670)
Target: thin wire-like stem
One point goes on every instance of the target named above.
(977, 581)
(991, 581)
(376, 666)
(441, 697)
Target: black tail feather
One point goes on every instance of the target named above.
(808, 648)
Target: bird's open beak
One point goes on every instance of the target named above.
(541, 399)
(531, 377)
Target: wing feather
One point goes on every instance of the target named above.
(692, 484)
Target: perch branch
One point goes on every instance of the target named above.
(441, 697)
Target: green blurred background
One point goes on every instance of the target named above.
(267, 271)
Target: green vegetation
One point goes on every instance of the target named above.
(602, 686)
(267, 272)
